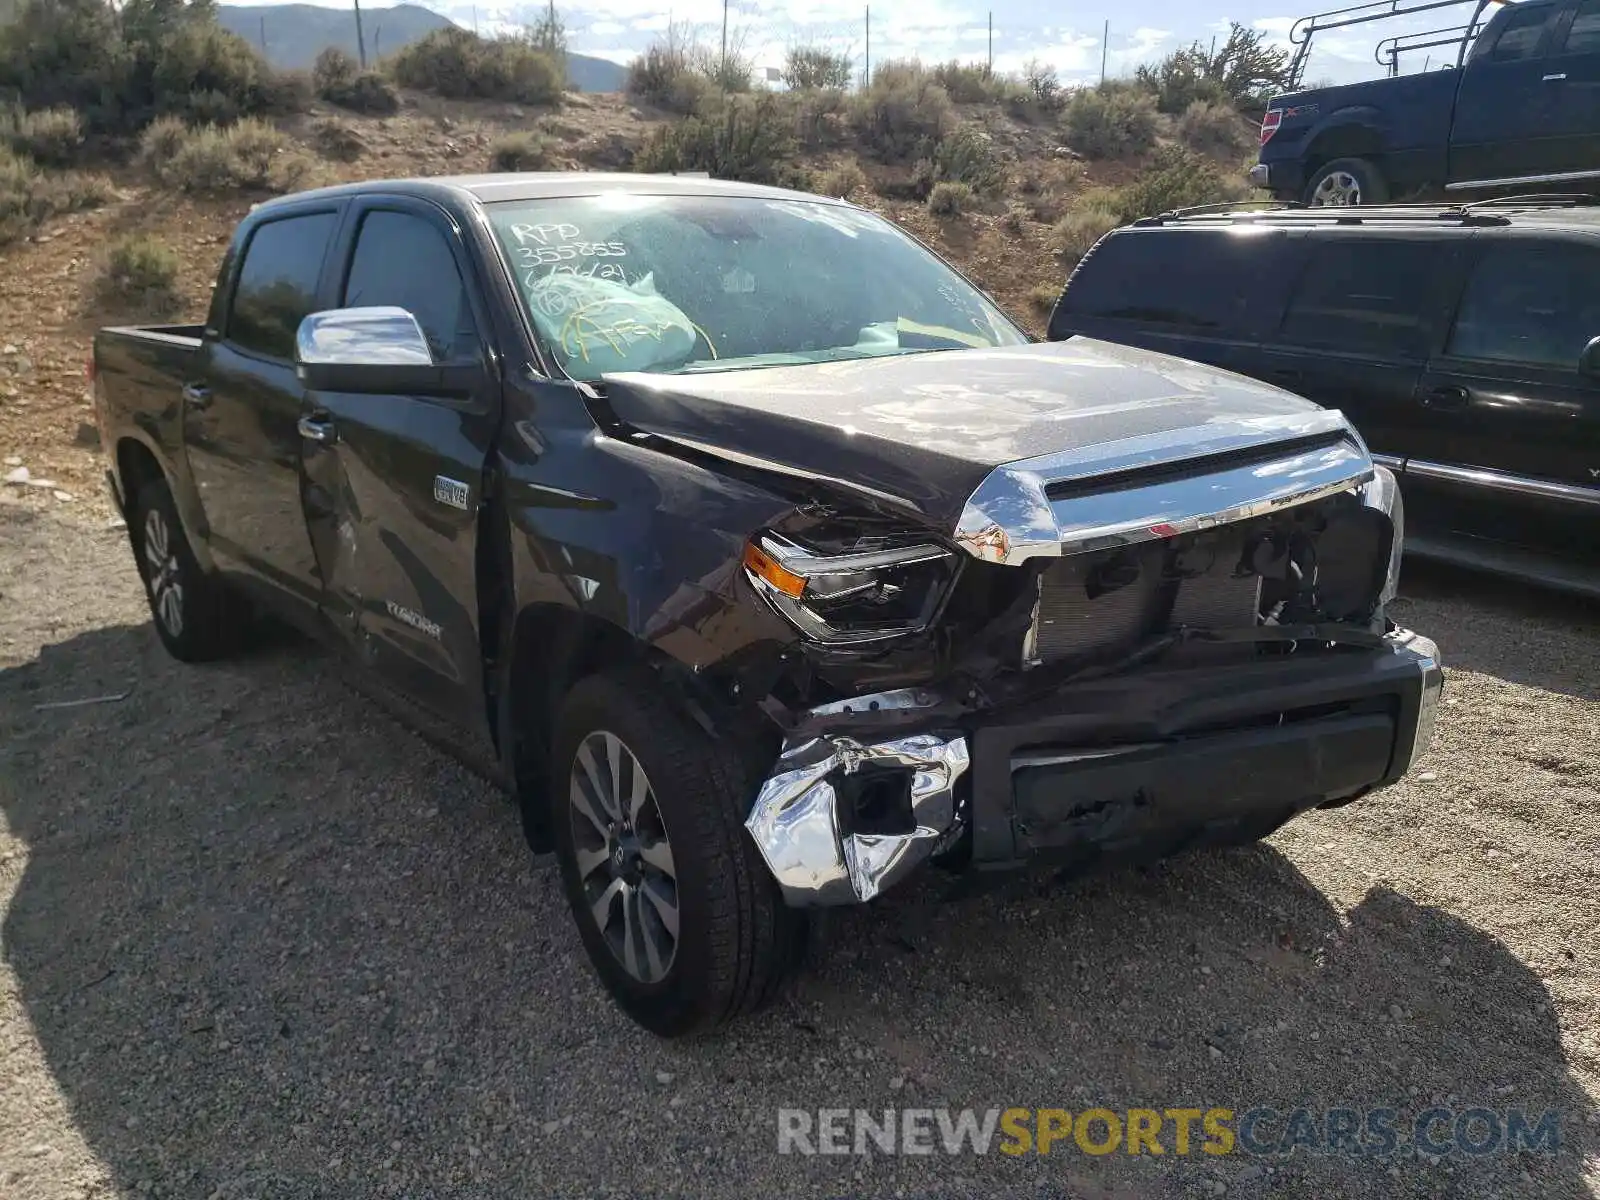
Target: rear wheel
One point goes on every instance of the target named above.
(195, 617)
(680, 918)
(1344, 182)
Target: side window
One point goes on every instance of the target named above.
(1363, 296)
(1200, 280)
(1534, 307)
(1521, 34)
(277, 285)
(1584, 36)
(404, 260)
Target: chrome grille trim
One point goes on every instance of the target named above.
(1009, 518)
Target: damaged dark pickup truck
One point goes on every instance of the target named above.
(758, 554)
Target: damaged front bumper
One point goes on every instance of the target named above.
(1136, 765)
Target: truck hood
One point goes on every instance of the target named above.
(923, 431)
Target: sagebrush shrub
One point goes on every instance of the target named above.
(902, 114)
(523, 150)
(1109, 123)
(948, 199)
(139, 273)
(747, 138)
(459, 64)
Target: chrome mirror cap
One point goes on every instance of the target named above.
(376, 336)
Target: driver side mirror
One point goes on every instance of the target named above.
(376, 349)
(1589, 360)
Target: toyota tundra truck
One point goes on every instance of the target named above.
(758, 555)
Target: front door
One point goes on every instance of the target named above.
(1512, 445)
(393, 483)
(1572, 79)
(1500, 126)
(240, 413)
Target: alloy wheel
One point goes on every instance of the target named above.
(162, 571)
(1339, 190)
(623, 857)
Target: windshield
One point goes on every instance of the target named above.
(624, 282)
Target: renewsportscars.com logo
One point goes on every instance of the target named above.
(1261, 1131)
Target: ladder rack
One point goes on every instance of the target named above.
(1302, 31)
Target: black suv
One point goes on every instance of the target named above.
(1461, 342)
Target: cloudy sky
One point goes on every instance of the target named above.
(1068, 39)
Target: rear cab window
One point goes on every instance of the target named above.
(1519, 36)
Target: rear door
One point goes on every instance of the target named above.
(1510, 448)
(1356, 330)
(1572, 79)
(241, 407)
(393, 483)
(1501, 130)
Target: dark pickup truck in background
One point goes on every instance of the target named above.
(1521, 108)
(758, 554)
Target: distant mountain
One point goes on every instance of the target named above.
(294, 34)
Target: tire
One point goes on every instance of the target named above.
(1346, 181)
(195, 617)
(730, 944)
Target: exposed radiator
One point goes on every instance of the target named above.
(1107, 603)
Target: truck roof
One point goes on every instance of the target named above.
(541, 185)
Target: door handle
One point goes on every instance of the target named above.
(1450, 396)
(1555, 78)
(196, 395)
(315, 429)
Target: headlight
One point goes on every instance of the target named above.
(863, 595)
(1383, 493)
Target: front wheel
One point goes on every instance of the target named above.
(1344, 182)
(681, 919)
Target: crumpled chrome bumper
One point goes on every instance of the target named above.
(801, 814)
(795, 818)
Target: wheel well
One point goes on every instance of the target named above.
(136, 466)
(1343, 141)
(552, 647)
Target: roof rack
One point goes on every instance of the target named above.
(1467, 213)
(1300, 33)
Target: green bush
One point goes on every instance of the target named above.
(811, 68)
(1094, 216)
(1179, 80)
(966, 83)
(52, 137)
(968, 157)
(741, 137)
(842, 180)
(1044, 88)
(1109, 124)
(459, 64)
(1175, 178)
(1244, 71)
(249, 155)
(29, 197)
(821, 117)
(139, 274)
(333, 71)
(336, 140)
(902, 114)
(120, 66)
(369, 92)
(668, 75)
(1214, 129)
(949, 199)
(520, 151)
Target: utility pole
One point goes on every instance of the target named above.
(989, 67)
(723, 71)
(263, 37)
(361, 41)
(1105, 44)
(866, 78)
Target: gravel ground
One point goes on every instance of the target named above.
(261, 941)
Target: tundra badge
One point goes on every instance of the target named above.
(452, 492)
